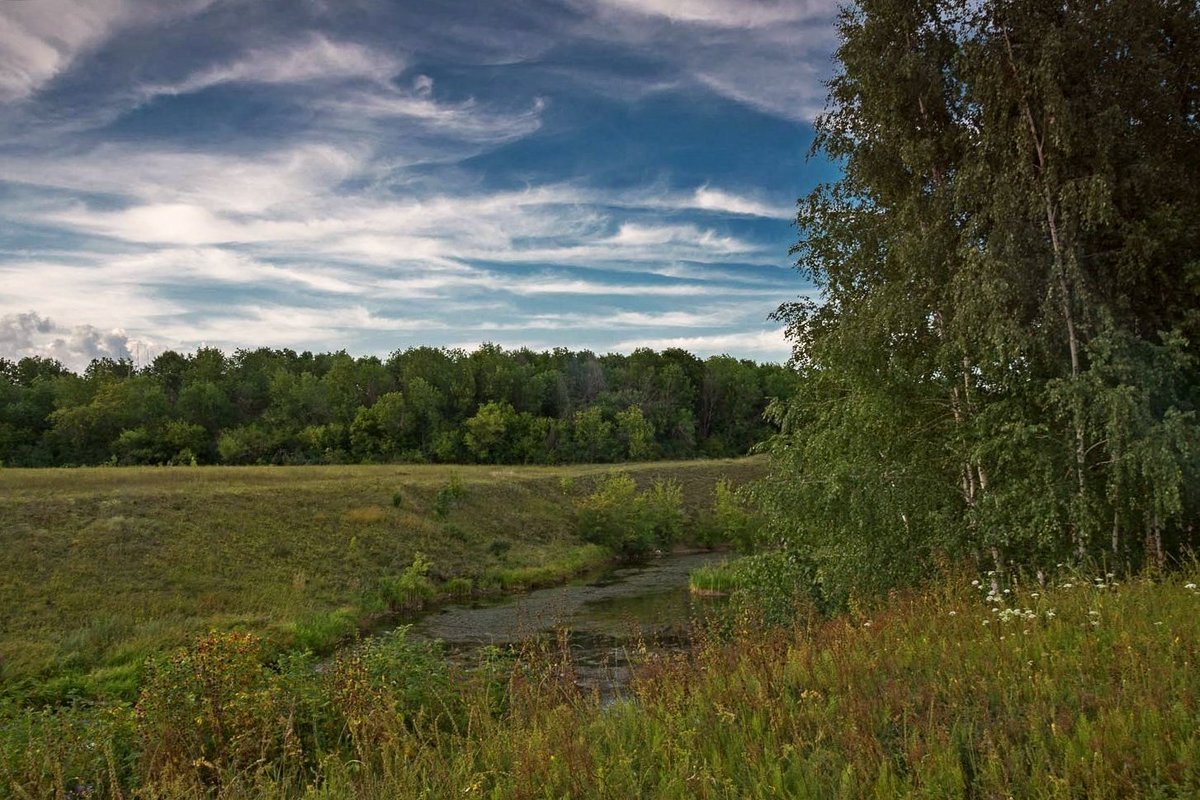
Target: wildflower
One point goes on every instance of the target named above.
(954, 613)
(975, 582)
(1050, 614)
(986, 621)
(1034, 595)
(1189, 586)
(867, 624)
(1006, 591)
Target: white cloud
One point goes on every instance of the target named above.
(39, 39)
(722, 13)
(711, 199)
(773, 56)
(767, 344)
(312, 58)
(31, 334)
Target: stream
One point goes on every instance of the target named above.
(607, 615)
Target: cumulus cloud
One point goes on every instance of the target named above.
(30, 334)
(18, 332)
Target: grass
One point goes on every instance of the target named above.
(101, 568)
(1084, 689)
(715, 579)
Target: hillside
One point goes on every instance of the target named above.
(101, 567)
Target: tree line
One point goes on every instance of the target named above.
(1003, 365)
(491, 405)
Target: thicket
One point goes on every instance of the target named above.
(421, 404)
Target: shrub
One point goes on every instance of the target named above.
(661, 509)
(734, 519)
(616, 516)
(448, 496)
(412, 588)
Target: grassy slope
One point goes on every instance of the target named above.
(100, 567)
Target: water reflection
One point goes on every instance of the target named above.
(606, 617)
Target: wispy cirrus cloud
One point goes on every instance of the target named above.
(309, 58)
(241, 174)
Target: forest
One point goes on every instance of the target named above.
(422, 404)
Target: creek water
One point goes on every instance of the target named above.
(607, 616)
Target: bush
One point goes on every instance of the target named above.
(412, 588)
(616, 516)
(734, 519)
(661, 508)
(448, 496)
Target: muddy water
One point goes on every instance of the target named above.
(607, 617)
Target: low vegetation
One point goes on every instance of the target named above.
(101, 568)
(1086, 687)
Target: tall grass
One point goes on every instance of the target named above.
(1084, 689)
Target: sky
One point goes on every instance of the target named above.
(370, 175)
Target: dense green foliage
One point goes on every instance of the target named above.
(617, 516)
(422, 404)
(1086, 688)
(1003, 364)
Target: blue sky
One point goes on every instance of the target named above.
(369, 175)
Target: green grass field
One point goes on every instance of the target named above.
(100, 568)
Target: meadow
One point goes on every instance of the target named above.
(102, 568)
(1085, 688)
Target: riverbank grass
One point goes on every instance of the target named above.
(1085, 688)
(102, 568)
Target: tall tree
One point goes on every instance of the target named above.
(1008, 325)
